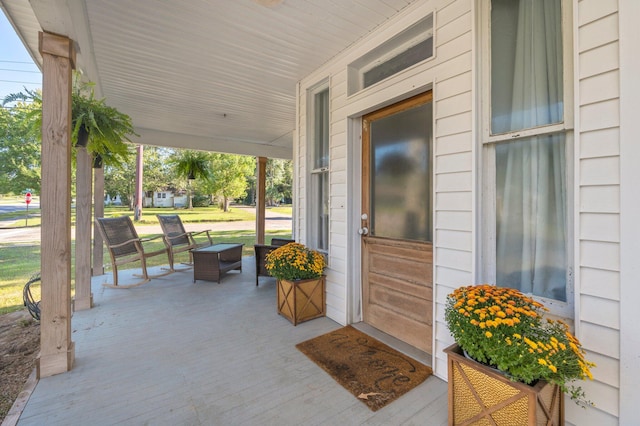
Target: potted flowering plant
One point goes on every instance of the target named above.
(300, 281)
(505, 329)
(295, 261)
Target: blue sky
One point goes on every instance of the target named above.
(17, 69)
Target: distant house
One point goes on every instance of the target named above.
(164, 199)
(112, 201)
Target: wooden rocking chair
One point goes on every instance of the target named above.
(178, 240)
(125, 246)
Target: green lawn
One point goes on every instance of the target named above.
(198, 214)
(287, 209)
(18, 262)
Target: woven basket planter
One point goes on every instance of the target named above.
(301, 300)
(480, 395)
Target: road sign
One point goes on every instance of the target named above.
(27, 197)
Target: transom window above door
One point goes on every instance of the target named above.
(410, 47)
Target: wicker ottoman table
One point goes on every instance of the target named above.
(209, 263)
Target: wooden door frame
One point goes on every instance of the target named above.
(365, 173)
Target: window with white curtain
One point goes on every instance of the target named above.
(528, 149)
(318, 204)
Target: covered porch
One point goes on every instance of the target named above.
(174, 352)
(221, 78)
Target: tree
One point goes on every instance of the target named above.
(157, 171)
(229, 176)
(192, 165)
(19, 150)
(158, 174)
(279, 180)
(120, 178)
(278, 185)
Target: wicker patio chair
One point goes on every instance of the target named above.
(178, 240)
(261, 251)
(125, 246)
(281, 241)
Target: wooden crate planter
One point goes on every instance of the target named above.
(301, 300)
(480, 395)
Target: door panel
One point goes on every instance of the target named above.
(397, 251)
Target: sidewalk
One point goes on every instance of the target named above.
(274, 222)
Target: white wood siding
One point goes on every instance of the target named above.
(598, 205)
(629, 371)
(449, 75)
(598, 195)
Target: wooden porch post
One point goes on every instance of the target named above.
(83, 298)
(260, 199)
(98, 211)
(57, 351)
(137, 215)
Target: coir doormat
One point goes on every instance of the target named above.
(372, 371)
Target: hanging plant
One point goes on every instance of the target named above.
(102, 129)
(107, 130)
(192, 165)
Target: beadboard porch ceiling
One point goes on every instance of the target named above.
(213, 75)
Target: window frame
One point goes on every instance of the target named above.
(390, 50)
(314, 232)
(567, 80)
(487, 258)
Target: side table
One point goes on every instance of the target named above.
(209, 263)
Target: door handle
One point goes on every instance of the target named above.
(363, 231)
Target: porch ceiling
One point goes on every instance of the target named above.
(218, 76)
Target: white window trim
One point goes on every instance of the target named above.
(567, 78)
(311, 233)
(388, 50)
(487, 258)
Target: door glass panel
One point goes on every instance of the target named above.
(401, 200)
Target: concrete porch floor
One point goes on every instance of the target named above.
(176, 353)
